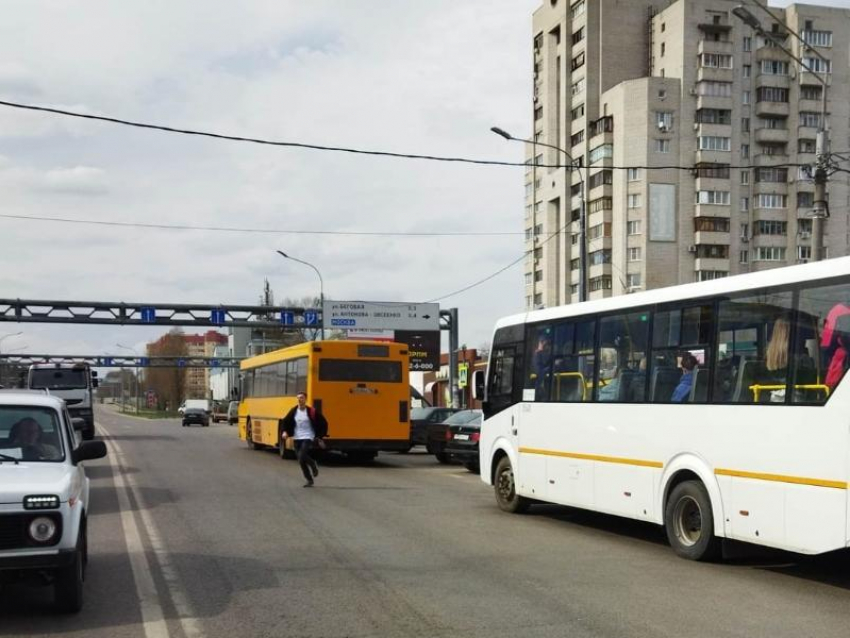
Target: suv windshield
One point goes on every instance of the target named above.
(58, 379)
(30, 433)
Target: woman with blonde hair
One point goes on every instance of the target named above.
(777, 349)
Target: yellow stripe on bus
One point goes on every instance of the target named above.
(779, 478)
(591, 457)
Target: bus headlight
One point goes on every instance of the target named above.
(42, 529)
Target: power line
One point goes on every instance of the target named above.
(270, 231)
(342, 149)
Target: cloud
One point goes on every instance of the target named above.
(79, 180)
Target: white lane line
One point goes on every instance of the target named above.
(188, 622)
(153, 621)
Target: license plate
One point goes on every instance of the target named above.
(461, 437)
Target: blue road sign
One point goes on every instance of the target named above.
(144, 362)
(148, 314)
(311, 317)
(107, 361)
(181, 363)
(214, 363)
(287, 318)
(217, 316)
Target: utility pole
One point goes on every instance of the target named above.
(453, 344)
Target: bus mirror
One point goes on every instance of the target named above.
(478, 385)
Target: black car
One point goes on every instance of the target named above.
(422, 418)
(438, 433)
(197, 416)
(462, 438)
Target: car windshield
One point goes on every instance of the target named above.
(30, 433)
(58, 379)
(464, 417)
(420, 414)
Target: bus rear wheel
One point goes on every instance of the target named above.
(505, 488)
(689, 522)
(248, 436)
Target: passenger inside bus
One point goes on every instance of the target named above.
(683, 391)
(835, 343)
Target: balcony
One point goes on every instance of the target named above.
(771, 188)
(713, 157)
(709, 237)
(807, 77)
(603, 190)
(763, 159)
(772, 53)
(713, 102)
(707, 263)
(772, 135)
(712, 74)
(711, 46)
(772, 109)
(711, 184)
(775, 81)
(712, 210)
(807, 132)
(812, 106)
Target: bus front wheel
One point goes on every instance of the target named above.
(249, 435)
(505, 487)
(689, 522)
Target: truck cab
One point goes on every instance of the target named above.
(75, 383)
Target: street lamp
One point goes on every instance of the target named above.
(820, 212)
(321, 286)
(135, 358)
(572, 165)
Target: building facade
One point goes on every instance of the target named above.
(690, 136)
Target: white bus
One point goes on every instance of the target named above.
(715, 409)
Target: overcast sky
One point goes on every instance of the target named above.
(407, 76)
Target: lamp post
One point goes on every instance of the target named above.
(820, 212)
(135, 357)
(321, 286)
(572, 165)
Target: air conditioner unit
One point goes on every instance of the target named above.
(805, 234)
(692, 248)
(692, 91)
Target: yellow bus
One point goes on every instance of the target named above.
(361, 387)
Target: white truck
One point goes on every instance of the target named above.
(201, 404)
(75, 383)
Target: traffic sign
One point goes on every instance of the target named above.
(374, 315)
(148, 314)
(311, 317)
(217, 316)
(463, 375)
(144, 362)
(287, 318)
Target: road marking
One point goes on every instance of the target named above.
(188, 622)
(153, 621)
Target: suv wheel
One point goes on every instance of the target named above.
(68, 582)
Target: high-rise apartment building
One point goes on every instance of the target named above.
(690, 135)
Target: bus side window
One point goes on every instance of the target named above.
(821, 352)
(538, 370)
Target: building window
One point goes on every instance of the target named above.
(712, 251)
(769, 253)
(805, 200)
(745, 151)
(578, 36)
(601, 178)
(745, 204)
(633, 174)
(577, 139)
(745, 121)
(773, 123)
(538, 113)
(811, 92)
(711, 224)
(771, 94)
(772, 174)
(576, 9)
(715, 89)
(745, 97)
(714, 116)
(747, 70)
(804, 228)
(745, 177)
(599, 231)
(714, 143)
(662, 146)
(708, 275)
(816, 65)
(804, 253)
(538, 275)
(810, 119)
(603, 203)
(528, 280)
(770, 227)
(633, 280)
(599, 257)
(663, 48)
(720, 198)
(774, 67)
(603, 151)
(716, 61)
(817, 38)
(634, 200)
(748, 43)
(634, 254)
(633, 227)
(577, 112)
(577, 62)
(600, 283)
(771, 200)
(745, 231)
(577, 87)
(744, 257)
(664, 120)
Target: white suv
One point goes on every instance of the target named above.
(44, 494)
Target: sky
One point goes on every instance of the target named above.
(404, 76)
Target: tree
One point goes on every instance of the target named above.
(169, 384)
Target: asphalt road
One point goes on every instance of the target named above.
(193, 534)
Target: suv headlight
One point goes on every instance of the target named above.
(42, 529)
(41, 502)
